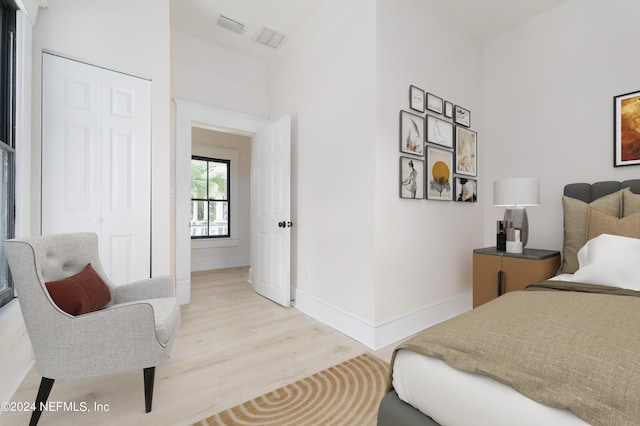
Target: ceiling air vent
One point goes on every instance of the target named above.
(230, 24)
(269, 37)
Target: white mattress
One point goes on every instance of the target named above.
(454, 397)
(562, 277)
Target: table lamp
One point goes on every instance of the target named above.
(516, 194)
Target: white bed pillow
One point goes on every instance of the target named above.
(610, 260)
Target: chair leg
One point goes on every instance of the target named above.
(149, 376)
(41, 399)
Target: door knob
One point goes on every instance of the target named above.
(282, 224)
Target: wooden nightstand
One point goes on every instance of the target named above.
(497, 272)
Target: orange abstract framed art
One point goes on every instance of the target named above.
(626, 135)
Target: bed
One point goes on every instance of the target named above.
(564, 351)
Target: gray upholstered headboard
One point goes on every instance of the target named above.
(588, 192)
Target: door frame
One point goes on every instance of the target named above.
(189, 114)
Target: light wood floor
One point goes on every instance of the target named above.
(233, 345)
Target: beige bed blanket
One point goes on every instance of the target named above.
(577, 348)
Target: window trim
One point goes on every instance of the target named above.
(8, 294)
(208, 199)
(8, 46)
(233, 155)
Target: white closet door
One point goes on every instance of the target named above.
(96, 161)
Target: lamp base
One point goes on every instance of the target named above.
(517, 218)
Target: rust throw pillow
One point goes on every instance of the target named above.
(81, 293)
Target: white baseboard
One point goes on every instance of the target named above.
(183, 291)
(335, 317)
(183, 286)
(383, 333)
(404, 325)
(218, 263)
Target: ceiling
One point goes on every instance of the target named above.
(484, 18)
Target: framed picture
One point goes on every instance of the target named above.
(416, 98)
(626, 133)
(466, 189)
(462, 116)
(434, 103)
(439, 185)
(411, 179)
(439, 131)
(411, 128)
(448, 109)
(466, 151)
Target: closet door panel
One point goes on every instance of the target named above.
(71, 146)
(96, 161)
(126, 156)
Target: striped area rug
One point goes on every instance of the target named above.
(345, 394)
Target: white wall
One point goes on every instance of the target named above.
(549, 91)
(203, 256)
(113, 35)
(211, 75)
(126, 36)
(16, 357)
(325, 77)
(361, 254)
(423, 247)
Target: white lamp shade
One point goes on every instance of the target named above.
(522, 192)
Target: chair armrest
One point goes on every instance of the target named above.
(107, 341)
(151, 288)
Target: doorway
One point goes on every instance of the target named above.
(220, 230)
(188, 116)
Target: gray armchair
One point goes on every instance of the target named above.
(135, 330)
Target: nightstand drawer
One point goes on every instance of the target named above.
(495, 271)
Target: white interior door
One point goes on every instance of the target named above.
(96, 161)
(271, 212)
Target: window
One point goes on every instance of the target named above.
(210, 186)
(7, 154)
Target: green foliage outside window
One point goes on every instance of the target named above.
(209, 197)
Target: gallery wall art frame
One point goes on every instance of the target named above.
(416, 98)
(626, 134)
(435, 103)
(466, 189)
(439, 131)
(439, 175)
(466, 151)
(411, 129)
(411, 179)
(448, 109)
(462, 116)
